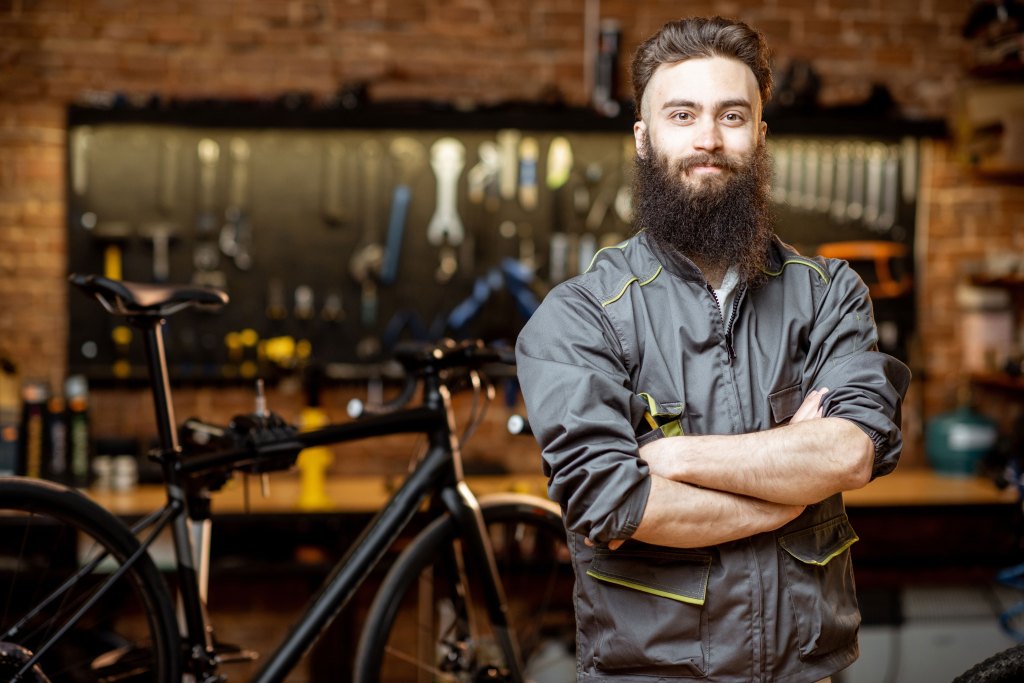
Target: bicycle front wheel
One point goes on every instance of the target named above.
(428, 621)
(78, 592)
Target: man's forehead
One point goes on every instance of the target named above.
(703, 79)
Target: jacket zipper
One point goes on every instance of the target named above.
(729, 347)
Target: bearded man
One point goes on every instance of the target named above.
(703, 395)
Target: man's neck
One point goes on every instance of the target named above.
(714, 273)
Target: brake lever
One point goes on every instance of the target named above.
(357, 408)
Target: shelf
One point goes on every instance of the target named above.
(1005, 281)
(304, 112)
(1000, 381)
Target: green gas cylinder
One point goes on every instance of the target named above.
(957, 441)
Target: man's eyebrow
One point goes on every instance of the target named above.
(724, 104)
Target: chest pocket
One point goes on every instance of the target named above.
(659, 419)
(784, 403)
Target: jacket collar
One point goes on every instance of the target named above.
(682, 267)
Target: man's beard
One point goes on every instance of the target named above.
(717, 223)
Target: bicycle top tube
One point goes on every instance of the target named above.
(262, 446)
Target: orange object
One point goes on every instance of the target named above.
(881, 264)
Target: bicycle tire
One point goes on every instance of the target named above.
(533, 561)
(48, 534)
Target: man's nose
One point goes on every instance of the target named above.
(708, 137)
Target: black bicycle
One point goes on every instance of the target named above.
(483, 592)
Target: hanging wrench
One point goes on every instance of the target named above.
(447, 158)
(409, 156)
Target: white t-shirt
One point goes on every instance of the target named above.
(727, 292)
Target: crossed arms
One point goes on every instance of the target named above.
(707, 490)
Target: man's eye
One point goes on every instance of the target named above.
(682, 116)
(733, 117)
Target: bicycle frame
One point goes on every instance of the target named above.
(439, 472)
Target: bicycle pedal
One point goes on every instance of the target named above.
(226, 653)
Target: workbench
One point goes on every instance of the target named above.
(269, 556)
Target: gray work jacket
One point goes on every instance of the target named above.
(640, 336)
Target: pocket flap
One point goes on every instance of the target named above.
(676, 575)
(785, 403)
(659, 419)
(820, 543)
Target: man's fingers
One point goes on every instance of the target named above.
(811, 407)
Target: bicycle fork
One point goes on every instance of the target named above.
(464, 508)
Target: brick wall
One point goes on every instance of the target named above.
(53, 52)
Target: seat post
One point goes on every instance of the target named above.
(191, 583)
(156, 361)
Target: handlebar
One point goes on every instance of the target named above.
(424, 359)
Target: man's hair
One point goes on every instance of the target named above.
(698, 37)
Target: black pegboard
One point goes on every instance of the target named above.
(127, 177)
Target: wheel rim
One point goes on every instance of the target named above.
(42, 557)
(433, 639)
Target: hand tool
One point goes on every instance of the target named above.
(276, 308)
(529, 151)
(558, 257)
(334, 307)
(559, 168)
(236, 233)
(890, 190)
(482, 178)
(333, 209)
(508, 143)
(624, 196)
(780, 179)
(559, 163)
(794, 194)
(809, 193)
(908, 169)
(826, 178)
(160, 234)
(365, 269)
(587, 249)
(855, 207)
(841, 192)
(366, 261)
(447, 157)
(114, 235)
(873, 192)
(167, 197)
(205, 256)
(304, 302)
(410, 156)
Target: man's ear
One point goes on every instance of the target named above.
(764, 131)
(639, 137)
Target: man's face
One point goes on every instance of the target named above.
(703, 174)
(703, 118)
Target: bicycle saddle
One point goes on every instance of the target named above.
(136, 298)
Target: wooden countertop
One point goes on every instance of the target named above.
(366, 494)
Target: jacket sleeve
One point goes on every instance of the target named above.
(865, 386)
(577, 395)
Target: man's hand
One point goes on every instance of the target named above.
(811, 408)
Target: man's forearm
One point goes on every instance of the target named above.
(798, 464)
(685, 516)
